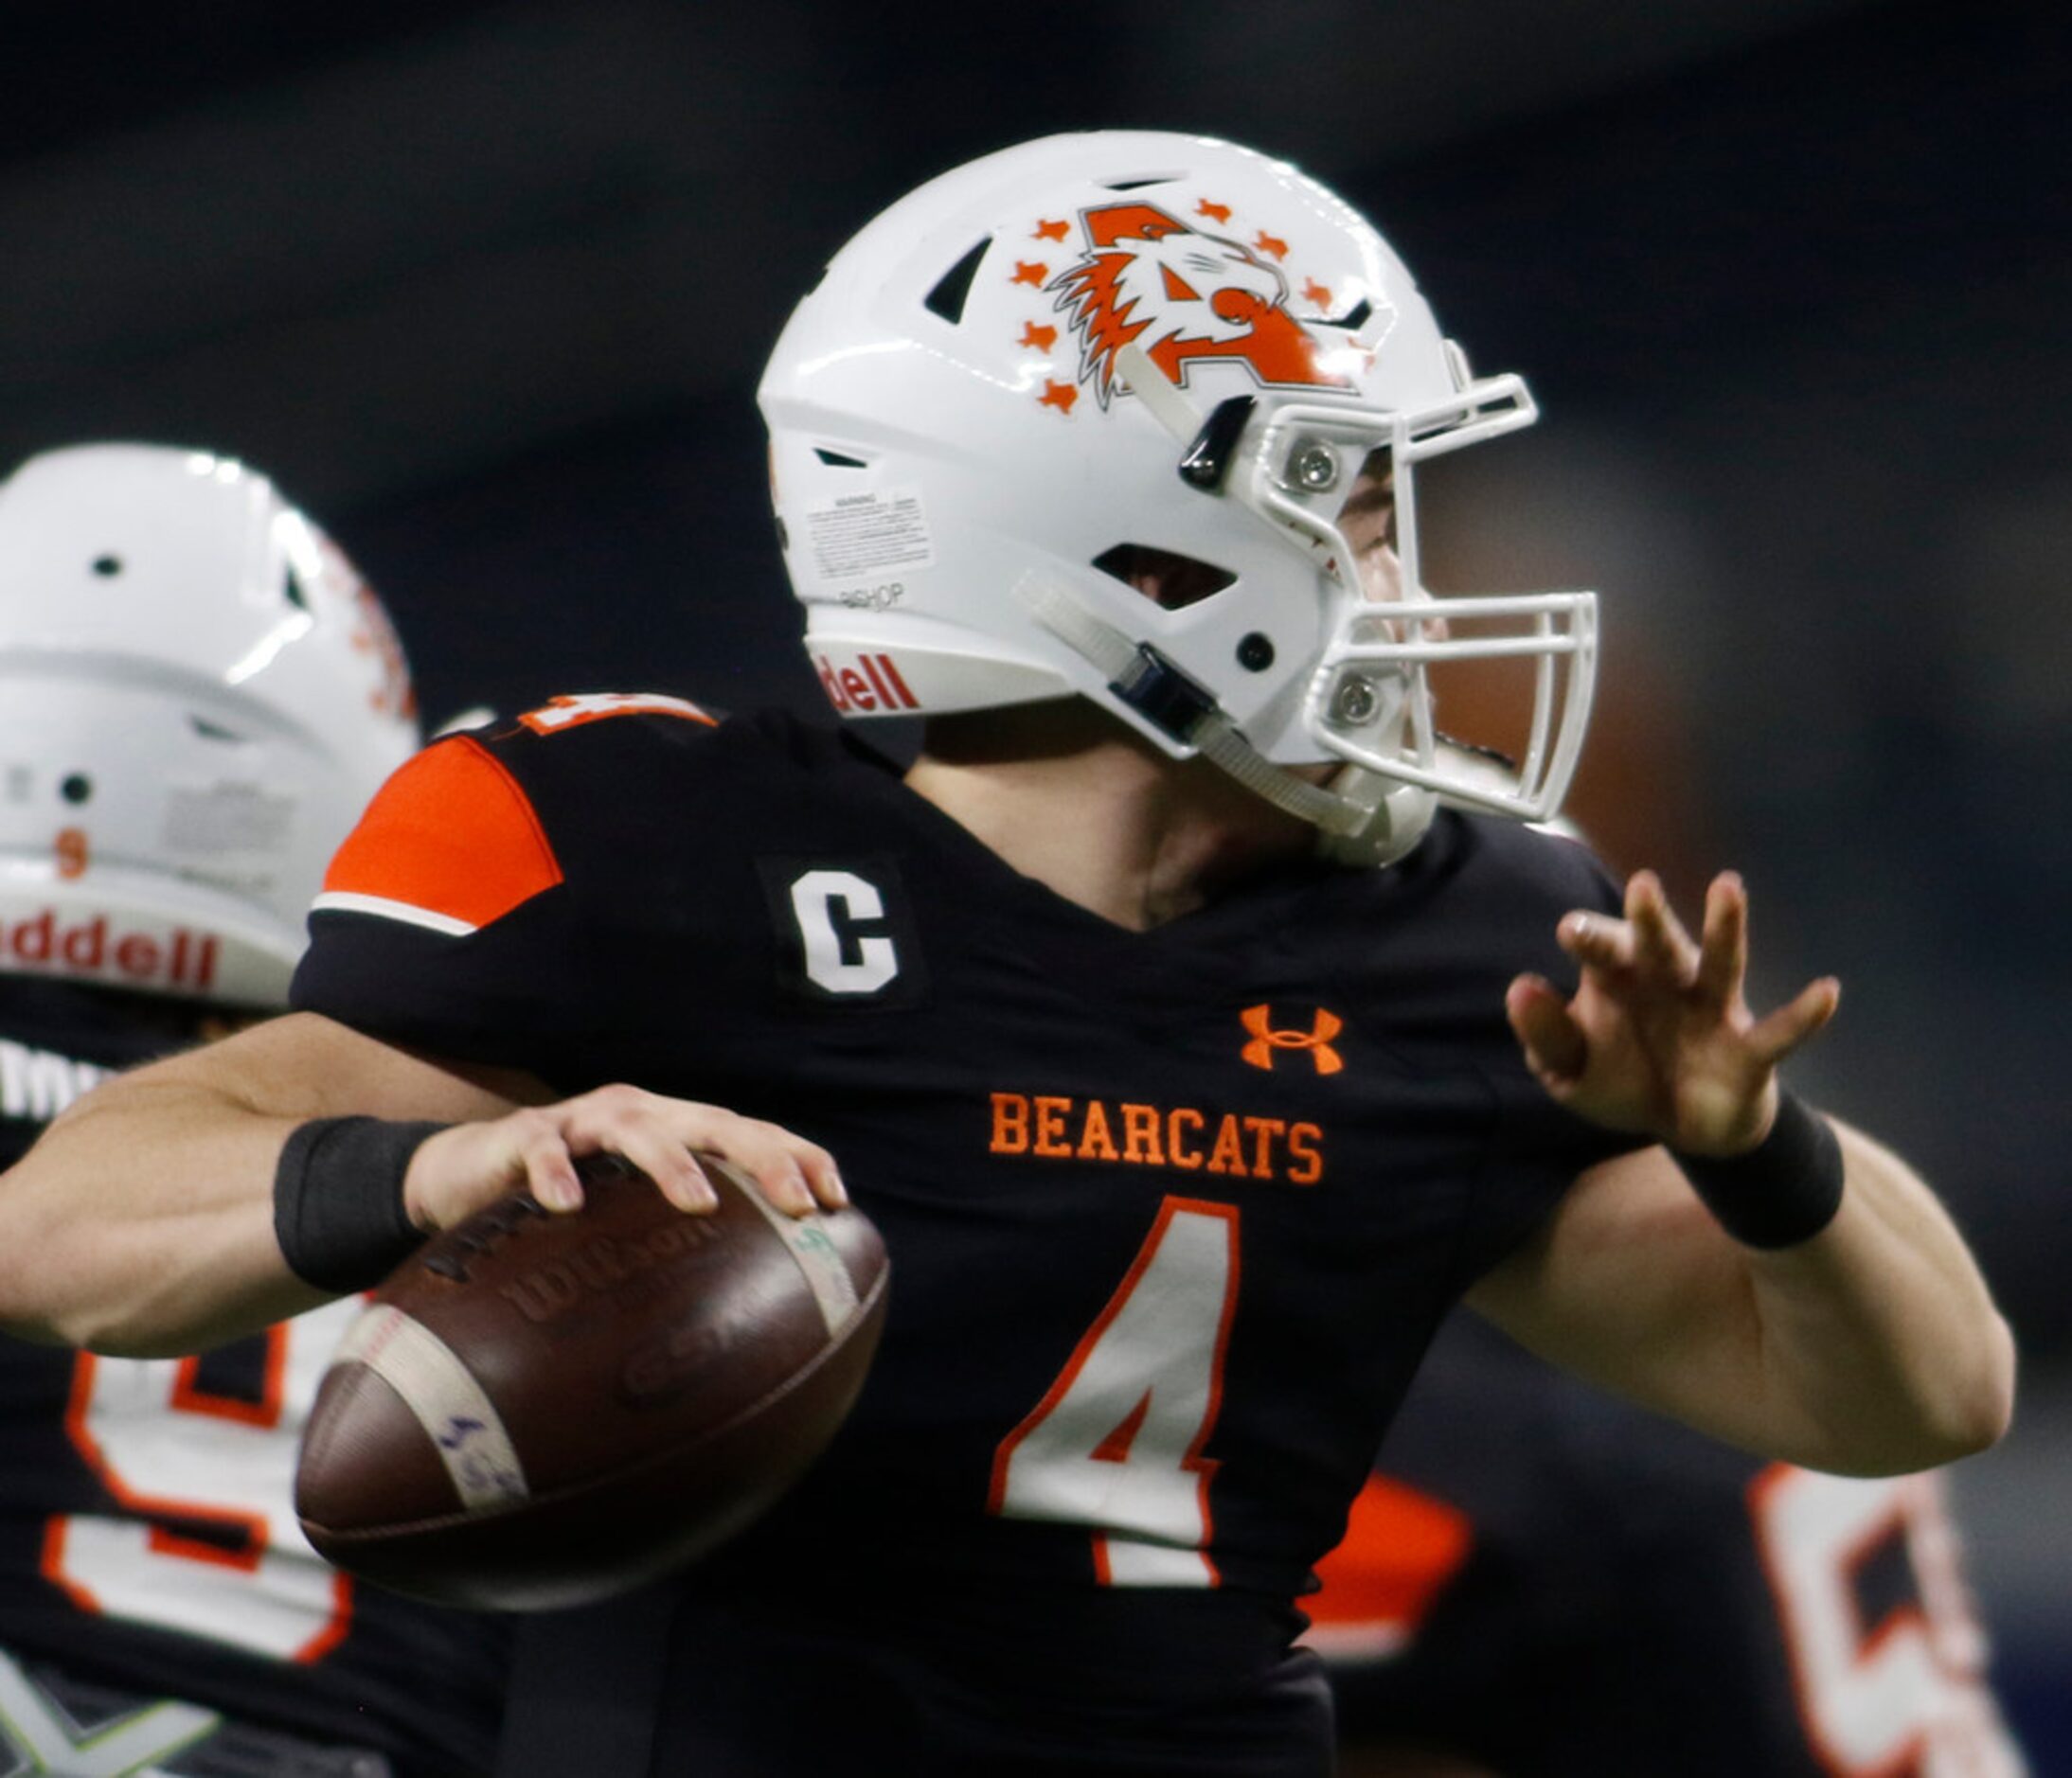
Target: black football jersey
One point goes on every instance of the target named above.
(1171, 1214)
(1559, 1585)
(149, 1544)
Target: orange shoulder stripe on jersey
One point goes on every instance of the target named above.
(450, 841)
(557, 714)
(1400, 1549)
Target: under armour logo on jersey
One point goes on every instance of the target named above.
(1316, 1041)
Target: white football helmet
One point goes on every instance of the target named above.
(198, 695)
(1036, 368)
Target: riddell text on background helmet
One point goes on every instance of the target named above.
(198, 695)
(1099, 350)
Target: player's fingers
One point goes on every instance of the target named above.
(779, 1163)
(1598, 941)
(1660, 942)
(1554, 1045)
(1722, 962)
(639, 1126)
(672, 1167)
(822, 1175)
(543, 1155)
(1778, 1034)
(664, 1136)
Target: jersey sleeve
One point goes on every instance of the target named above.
(447, 922)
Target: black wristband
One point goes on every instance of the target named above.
(1784, 1190)
(338, 1209)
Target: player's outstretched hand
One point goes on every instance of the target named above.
(1658, 1037)
(457, 1171)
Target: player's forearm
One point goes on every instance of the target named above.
(1872, 1347)
(1880, 1332)
(142, 1223)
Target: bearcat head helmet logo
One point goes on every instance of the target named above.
(1097, 406)
(1182, 296)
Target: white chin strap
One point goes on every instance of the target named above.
(1361, 816)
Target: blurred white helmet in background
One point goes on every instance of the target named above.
(198, 695)
(1047, 368)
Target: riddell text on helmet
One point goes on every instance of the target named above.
(171, 956)
(877, 687)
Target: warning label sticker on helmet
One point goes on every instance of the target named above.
(864, 533)
(211, 821)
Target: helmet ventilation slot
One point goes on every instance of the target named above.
(952, 289)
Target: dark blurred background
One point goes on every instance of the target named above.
(486, 286)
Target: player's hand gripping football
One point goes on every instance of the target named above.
(1658, 1038)
(459, 1170)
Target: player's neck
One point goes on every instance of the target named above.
(1068, 796)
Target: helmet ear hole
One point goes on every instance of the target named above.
(1169, 580)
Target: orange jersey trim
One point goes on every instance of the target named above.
(1400, 1550)
(450, 841)
(569, 712)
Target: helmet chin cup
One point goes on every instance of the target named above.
(1398, 815)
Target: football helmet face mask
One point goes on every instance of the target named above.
(198, 695)
(1129, 347)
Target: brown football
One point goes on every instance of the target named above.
(539, 1411)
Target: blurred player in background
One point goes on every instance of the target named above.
(1191, 1057)
(197, 697)
(1544, 1581)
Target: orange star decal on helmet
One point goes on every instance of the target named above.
(1029, 272)
(1051, 231)
(1318, 294)
(1271, 243)
(1215, 212)
(1037, 337)
(1060, 396)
